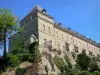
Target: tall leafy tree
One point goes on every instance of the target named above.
(8, 24)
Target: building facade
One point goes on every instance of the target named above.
(41, 25)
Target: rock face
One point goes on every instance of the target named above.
(22, 65)
(47, 60)
(25, 65)
(9, 73)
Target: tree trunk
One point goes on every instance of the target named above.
(5, 45)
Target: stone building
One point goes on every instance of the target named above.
(38, 24)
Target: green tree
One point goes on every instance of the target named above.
(94, 64)
(36, 56)
(8, 23)
(83, 61)
(60, 63)
(34, 50)
(18, 47)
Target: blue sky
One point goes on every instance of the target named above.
(80, 15)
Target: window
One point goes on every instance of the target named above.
(24, 22)
(31, 17)
(56, 33)
(43, 27)
(98, 55)
(76, 49)
(83, 44)
(76, 42)
(67, 46)
(48, 29)
(45, 42)
(58, 47)
(62, 36)
(90, 53)
(79, 43)
(64, 47)
(67, 38)
(55, 43)
(50, 43)
(83, 50)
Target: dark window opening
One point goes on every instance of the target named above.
(76, 49)
(67, 46)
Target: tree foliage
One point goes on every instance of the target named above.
(34, 50)
(68, 61)
(13, 60)
(8, 23)
(59, 63)
(94, 64)
(83, 61)
(7, 20)
(18, 47)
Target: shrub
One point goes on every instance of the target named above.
(73, 72)
(18, 51)
(20, 71)
(60, 64)
(83, 61)
(1, 71)
(18, 47)
(13, 60)
(24, 57)
(73, 55)
(94, 67)
(66, 58)
(2, 64)
(34, 50)
(76, 66)
(62, 74)
(96, 73)
(31, 47)
(83, 73)
(31, 59)
(9, 68)
(68, 61)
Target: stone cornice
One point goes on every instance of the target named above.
(78, 35)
